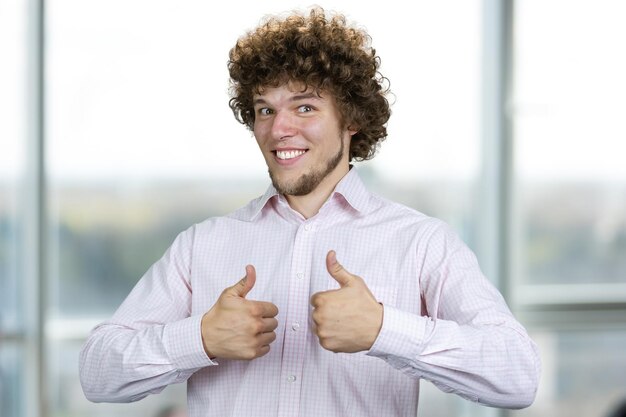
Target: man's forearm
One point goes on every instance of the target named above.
(495, 365)
(122, 364)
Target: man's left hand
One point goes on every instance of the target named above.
(349, 318)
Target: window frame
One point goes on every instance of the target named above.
(538, 306)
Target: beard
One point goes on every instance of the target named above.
(310, 180)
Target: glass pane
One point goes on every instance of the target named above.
(569, 141)
(106, 236)
(12, 140)
(583, 373)
(130, 165)
(435, 403)
(430, 159)
(67, 399)
(10, 379)
(142, 143)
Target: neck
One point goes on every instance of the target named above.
(309, 205)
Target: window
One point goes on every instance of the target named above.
(141, 145)
(582, 370)
(569, 277)
(569, 134)
(12, 106)
(12, 138)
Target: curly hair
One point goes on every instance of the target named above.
(323, 53)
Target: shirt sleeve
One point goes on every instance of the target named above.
(152, 340)
(466, 341)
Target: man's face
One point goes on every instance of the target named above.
(301, 137)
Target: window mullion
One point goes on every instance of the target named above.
(493, 235)
(34, 220)
(496, 179)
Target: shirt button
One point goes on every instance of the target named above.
(291, 378)
(295, 326)
(307, 227)
(300, 275)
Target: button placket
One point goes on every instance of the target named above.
(296, 314)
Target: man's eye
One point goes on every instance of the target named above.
(305, 108)
(264, 111)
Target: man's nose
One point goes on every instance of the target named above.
(283, 125)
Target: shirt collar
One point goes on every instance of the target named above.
(257, 205)
(350, 187)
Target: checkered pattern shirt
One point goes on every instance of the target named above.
(443, 321)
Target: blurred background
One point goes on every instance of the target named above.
(115, 135)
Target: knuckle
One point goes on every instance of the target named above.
(249, 353)
(318, 300)
(316, 316)
(322, 333)
(255, 309)
(325, 343)
(255, 326)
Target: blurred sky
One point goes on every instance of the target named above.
(139, 89)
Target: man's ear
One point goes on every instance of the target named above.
(352, 130)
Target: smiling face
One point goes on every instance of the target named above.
(301, 136)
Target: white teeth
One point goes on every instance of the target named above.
(288, 154)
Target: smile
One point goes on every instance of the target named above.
(284, 155)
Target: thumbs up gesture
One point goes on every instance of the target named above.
(237, 328)
(347, 319)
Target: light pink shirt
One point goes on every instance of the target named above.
(443, 321)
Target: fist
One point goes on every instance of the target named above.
(347, 319)
(237, 328)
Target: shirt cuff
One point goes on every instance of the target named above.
(400, 336)
(183, 342)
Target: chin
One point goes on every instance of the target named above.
(296, 186)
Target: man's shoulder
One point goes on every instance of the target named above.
(392, 212)
(385, 206)
(244, 214)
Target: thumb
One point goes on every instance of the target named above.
(337, 271)
(243, 287)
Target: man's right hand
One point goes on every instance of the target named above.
(236, 328)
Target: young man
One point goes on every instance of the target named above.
(348, 299)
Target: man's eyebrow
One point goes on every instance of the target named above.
(304, 96)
